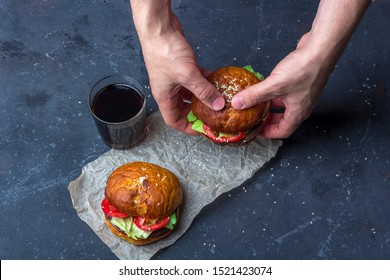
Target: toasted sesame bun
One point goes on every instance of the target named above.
(144, 189)
(229, 81)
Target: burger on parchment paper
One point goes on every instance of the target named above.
(230, 126)
(141, 203)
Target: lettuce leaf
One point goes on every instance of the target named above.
(127, 225)
(191, 117)
(257, 74)
(172, 221)
(197, 125)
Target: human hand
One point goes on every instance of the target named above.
(298, 80)
(174, 75)
(294, 85)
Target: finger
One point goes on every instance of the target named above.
(279, 128)
(179, 123)
(171, 113)
(283, 125)
(185, 94)
(277, 106)
(274, 118)
(205, 72)
(254, 95)
(205, 91)
(277, 103)
(185, 109)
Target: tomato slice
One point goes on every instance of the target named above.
(146, 224)
(110, 209)
(223, 138)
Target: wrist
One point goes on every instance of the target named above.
(333, 26)
(324, 52)
(152, 17)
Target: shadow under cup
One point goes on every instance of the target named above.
(118, 106)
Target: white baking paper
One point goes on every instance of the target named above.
(205, 170)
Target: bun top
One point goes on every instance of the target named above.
(144, 189)
(229, 81)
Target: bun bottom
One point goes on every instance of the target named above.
(250, 136)
(138, 242)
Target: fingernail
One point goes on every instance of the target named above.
(237, 102)
(218, 103)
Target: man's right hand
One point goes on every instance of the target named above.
(170, 61)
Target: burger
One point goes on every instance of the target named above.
(141, 203)
(229, 126)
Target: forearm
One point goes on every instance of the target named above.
(333, 26)
(151, 17)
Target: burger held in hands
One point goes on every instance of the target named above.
(141, 203)
(229, 126)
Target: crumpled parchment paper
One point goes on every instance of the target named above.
(205, 170)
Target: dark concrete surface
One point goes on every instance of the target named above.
(326, 195)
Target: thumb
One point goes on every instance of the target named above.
(254, 95)
(205, 92)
